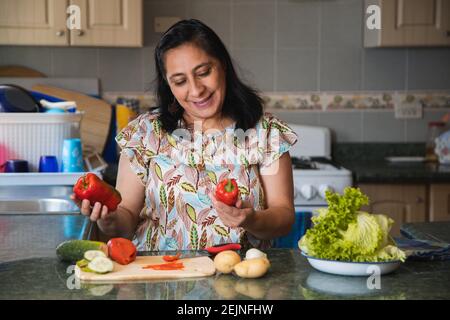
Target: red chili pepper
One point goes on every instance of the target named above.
(91, 187)
(222, 247)
(227, 191)
(122, 250)
(172, 258)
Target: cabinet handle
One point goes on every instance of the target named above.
(60, 33)
(419, 200)
(448, 33)
(80, 33)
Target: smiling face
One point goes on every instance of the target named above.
(197, 81)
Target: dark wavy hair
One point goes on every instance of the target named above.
(242, 103)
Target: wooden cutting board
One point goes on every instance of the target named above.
(193, 267)
(96, 120)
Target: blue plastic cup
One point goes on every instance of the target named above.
(16, 165)
(48, 164)
(72, 156)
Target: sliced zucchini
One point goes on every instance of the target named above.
(91, 254)
(82, 263)
(101, 265)
(86, 269)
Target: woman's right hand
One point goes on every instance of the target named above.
(96, 212)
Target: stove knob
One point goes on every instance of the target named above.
(308, 191)
(323, 188)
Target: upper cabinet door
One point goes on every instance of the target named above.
(411, 23)
(33, 22)
(109, 23)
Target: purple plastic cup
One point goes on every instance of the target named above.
(16, 165)
(48, 164)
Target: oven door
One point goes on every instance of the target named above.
(302, 223)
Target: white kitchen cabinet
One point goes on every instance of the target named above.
(114, 23)
(33, 22)
(109, 23)
(410, 23)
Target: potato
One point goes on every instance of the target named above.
(253, 268)
(225, 261)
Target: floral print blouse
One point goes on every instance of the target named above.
(179, 172)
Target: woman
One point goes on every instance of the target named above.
(167, 181)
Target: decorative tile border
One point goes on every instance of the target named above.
(320, 101)
(328, 101)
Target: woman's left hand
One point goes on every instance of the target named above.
(234, 216)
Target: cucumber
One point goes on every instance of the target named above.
(91, 254)
(73, 250)
(101, 265)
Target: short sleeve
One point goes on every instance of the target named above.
(139, 142)
(279, 138)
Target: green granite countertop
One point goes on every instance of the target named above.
(37, 274)
(290, 277)
(368, 163)
(387, 172)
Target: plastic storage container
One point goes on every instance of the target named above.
(28, 136)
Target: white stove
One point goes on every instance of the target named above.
(313, 170)
(314, 173)
(311, 184)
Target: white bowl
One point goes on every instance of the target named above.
(348, 268)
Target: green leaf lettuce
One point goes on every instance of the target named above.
(342, 232)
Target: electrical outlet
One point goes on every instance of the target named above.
(164, 23)
(408, 107)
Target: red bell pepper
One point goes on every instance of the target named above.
(91, 187)
(172, 258)
(122, 250)
(166, 266)
(227, 191)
